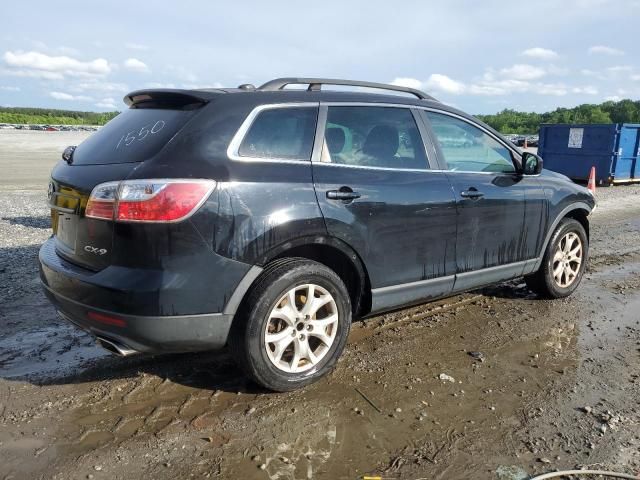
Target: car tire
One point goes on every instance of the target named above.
(561, 272)
(272, 311)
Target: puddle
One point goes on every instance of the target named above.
(47, 353)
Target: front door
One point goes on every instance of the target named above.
(377, 194)
(492, 240)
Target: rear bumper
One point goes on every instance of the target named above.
(183, 333)
(72, 290)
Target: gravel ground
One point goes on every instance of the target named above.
(555, 385)
(24, 225)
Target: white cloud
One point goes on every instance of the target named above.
(9, 89)
(522, 71)
(31, 74)
(538, 52)
(523, 78)
(136, 65)
(599, 75)
(489, 85)
(620, 68)
(196, 86)
(436, 82)
(586, 90)
(108, 103)
(68, 96)
(407, 82)
(136, 46)
(487, 89)
(613, 98)
(160, 85)
(60, 50)
(40, 65)
(555, 89)
(181, 73)
(556, 70)
(442, 83)
(604, 50)
(100, 86)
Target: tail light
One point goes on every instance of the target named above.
(162, 200)
(102, 201)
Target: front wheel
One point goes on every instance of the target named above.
(564, 261)
(293, 325)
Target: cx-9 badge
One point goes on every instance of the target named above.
(95, 250)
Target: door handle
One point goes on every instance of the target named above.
(471, 193)
(345, 193)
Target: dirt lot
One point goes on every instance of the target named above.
(556, 385)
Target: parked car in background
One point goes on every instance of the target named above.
(532, 141)
(268, 218)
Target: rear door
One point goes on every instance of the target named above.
(490, 199)
(112, 153)
(377, 193)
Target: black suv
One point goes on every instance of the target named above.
(267, 218)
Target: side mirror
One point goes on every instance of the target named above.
(531, 164)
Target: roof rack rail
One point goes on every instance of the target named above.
(315, 84)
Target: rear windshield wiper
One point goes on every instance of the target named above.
(67, 155)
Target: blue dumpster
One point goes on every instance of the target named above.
(573, 149)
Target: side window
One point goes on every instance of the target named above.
(281, 133)
(373, 137)
(467, 148)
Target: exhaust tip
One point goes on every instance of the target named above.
(115, 347)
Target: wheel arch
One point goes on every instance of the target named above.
(339, 257)
(578, 211)
(331, 252)
(581, 215)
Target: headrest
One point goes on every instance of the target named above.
(335, 139)
(382, 141)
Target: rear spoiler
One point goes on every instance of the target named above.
(167, 98)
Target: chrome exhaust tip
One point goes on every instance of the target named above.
(115, 347)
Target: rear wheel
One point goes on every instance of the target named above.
(564, 261)
(293, 325)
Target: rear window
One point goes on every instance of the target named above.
(133, 136)
(383, 137)
(281, 133)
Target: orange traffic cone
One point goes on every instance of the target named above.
(591, 185)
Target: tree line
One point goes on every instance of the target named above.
(506, 121)
(50, 116)
(511, 121)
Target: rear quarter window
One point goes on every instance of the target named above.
(133, 136)
(281, 133)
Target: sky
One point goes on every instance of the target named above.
(480, 56)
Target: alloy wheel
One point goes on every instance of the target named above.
(567, 260)
(301, 328)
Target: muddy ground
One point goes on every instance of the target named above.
(556, 385)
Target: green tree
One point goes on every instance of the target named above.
(48, 116)
(511, 121)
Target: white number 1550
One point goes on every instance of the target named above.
(134, 135)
